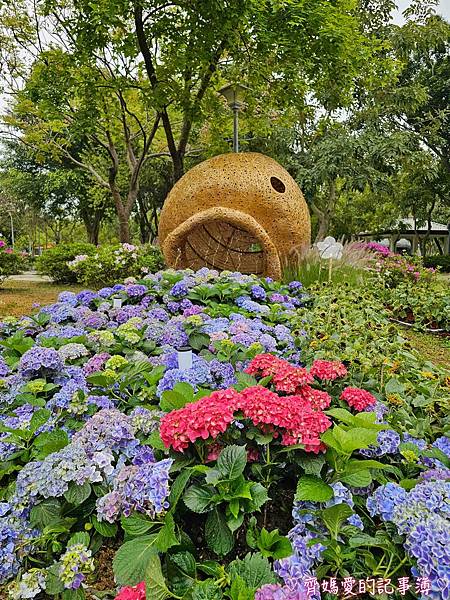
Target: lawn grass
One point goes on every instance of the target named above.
(435, 348)
(17, 297)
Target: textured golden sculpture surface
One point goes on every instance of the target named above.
(237, 211)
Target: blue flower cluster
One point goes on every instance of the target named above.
(40, 360)
(300, 565)
(388, 443)
(423, 517)
(215, 374)
(15, 542)
(142, 486)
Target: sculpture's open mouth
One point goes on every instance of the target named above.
(223, 239)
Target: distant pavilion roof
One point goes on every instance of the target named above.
(406, 226)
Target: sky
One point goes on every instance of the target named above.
(442, 9)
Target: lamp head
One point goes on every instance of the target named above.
(234, 94)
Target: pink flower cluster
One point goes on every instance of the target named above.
(327, 370)
(285, 377)
(290, 379)
(377, 248)
(5, 249)
(136, 592)
(357, 398)
(202, 419)
(292, 417)
(296, 418)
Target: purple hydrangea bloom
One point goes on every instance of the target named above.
(423, 517)
(94, 320)
(173, 307)
(198, 375)
(142, 487)
(101, 401)
(126, 313)
(300, 565)
(385, 500)
(135, 290)
(179, 289)
(258, 292)
(62, 332)
(109, 429)
(251, 306)
(69, 298)
(174, 335)
(95, 363)
(144, 420)
(419, 443)
(443, 444)
(194, 309)
(59, 312)
(295, 286)
(278, 298)
(223, 374)
(10, 540)
(52, 476)
(144, 455)
(4, 369)
(106, 292)
(442, 474)
(86, 297)
(379, 409)
(71, 373)
(159, 314)
(38, 360)
(388, 440)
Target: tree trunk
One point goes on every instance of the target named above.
(324, 224)
(123, 215)
(92, 226)
(324, 216)
(143, 222)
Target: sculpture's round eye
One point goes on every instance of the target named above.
(277, 185)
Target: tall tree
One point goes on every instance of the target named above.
(283, 50)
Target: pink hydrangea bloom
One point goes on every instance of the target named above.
(357, 398)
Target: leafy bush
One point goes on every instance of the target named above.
(244, 476)
(441, 261)
(424, 305)
(53, 262)
(109, 264)
(393, 269)
(11, 262)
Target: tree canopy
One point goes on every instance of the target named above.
(123, 96)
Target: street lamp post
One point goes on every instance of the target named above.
(12, 230)
(234, 93)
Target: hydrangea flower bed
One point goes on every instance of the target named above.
(248, 475)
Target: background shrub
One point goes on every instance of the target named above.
(11, 262)
(53, 262)
(112, 264)
(439, 260)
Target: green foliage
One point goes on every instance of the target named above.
(132, 560)
(424, 305)
(226, 496)
(438, 261)
(269, 543)
(11, 262)
(109, 264)
(53, 262)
